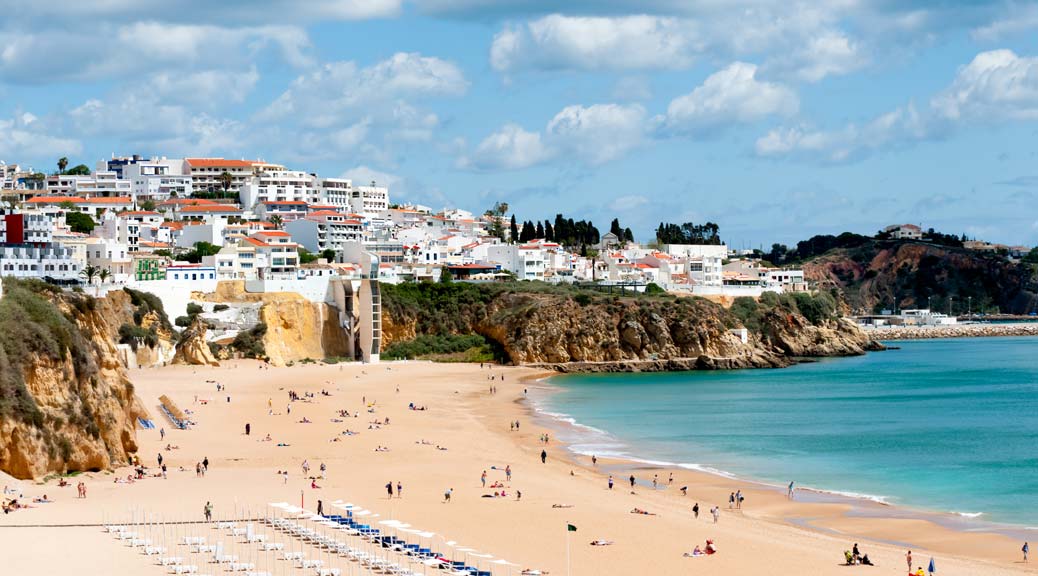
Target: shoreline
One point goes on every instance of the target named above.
(851, 505)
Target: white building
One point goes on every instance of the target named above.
(276, 254)
(325, 230)
(157, 179)
(206, 173)
(280, 186)
(97, 185)
(370, 201)
(704, 261)
(336, 191)
(27, 249)
(526, 261)
(904, 231)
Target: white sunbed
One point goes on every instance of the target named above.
(328, 572)
(241, 566)
(204, 549)
(153, 550)
(183, 569)
(292, 556)
(225, 558)
(192, 540)
(171, 560)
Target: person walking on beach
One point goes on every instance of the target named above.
(160, 458)
(162, 433)
(198, 469)
(508, 473)
(695, 510)
(731, 500)
(716, 511)
(738, 499)
(670, 479)
(655, 478)
(205, 465)
(306, 467)
(323, 470)
(447, 495)
(594, 460)
(544, 456)
(208, 510)
(320, 508)
(632, 480)
(908, 560)
(483, 478)
(389, 488)
(610, 481)
(248, 428)
(399, 489)
(1025, 550)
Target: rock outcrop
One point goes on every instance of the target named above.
(908, 274)
(193, 348)
(73, 408)
(296, 328)
(614, 334)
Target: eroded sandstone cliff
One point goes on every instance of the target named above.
(571, 330)
(65, 401)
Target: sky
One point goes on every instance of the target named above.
(776, 120)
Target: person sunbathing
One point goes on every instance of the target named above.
(43, 500)
(643, 512)
(601, 542)
(695, 552)
(561, 505)
(62, 483)
(710, 548)
(305, 420)
(267, 438)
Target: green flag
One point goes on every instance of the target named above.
(571, 528)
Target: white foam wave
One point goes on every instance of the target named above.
(969, 514)
(706, 469)
(855, 495)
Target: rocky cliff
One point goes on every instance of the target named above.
(295, 328)
(559, 328)
(892, 274)
(65, 401)
(193, 348)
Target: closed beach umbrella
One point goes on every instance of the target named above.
(932, 568)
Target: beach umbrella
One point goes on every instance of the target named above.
(933, 566)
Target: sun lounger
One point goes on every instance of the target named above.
(328, 572)
(271, 546)
(225, 558)
(137, 542)
(153, 550)
(189, 540)
(204, 549)
(224, 525)
(292, 555)
(241, 566)
(171, 560)
(183, 569)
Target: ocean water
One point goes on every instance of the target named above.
(942, 425)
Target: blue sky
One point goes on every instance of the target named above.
(776, 120)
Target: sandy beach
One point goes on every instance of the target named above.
(771, 534)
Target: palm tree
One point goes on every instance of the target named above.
(275, 220)
(104, 274)
(62, 164)
(225, 180)
(90, 272)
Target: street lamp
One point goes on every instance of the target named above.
(969, 306)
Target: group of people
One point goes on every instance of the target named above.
(854, 557)
(706, 550)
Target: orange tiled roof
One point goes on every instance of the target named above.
(220, 163)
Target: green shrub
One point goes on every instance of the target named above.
(652, 289)
(183, 321)
(464, 348)
(147, 302)
(250, 342)
(135, 335)
(194, 309)
(220, 307)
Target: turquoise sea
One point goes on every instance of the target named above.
(940, 425)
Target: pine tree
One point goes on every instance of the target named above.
(628, 236)
(528, 232)
(514, 230)
(615, 228)
(549, 232)
(540, 230)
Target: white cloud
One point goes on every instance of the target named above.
(627, 42)
(802, 40)
(231, 11)
(599, 133)
(341, 89)
(849, 143)
(26, 136)
(995, 85)
(830, 54)
(203, 88)
(733, 94)
(54, 55)
(593, 134)
(510, 148)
